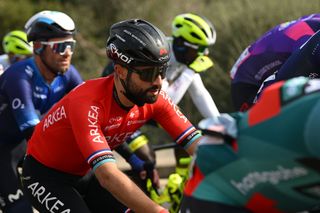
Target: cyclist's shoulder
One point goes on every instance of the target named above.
(21, 69)
(4, 58)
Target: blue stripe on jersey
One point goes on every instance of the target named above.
(192, 140)
(102, 162)
(184, 134)
(98, 153)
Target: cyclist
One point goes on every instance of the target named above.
(269, 172)
(266, 56)
(74, 137)
(16, 48)
(303, 62)
(28, 89)
(192, 35)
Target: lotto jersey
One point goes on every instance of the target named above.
(81, 130)
(265, 56)
(25, 96)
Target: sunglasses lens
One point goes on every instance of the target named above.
(151, 74)
(62, 47)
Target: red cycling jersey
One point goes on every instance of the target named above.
(81, 130)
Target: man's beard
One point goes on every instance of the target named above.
(139, 96)
(55, 70)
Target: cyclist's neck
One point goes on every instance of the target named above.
(119, 97)
(47, 74)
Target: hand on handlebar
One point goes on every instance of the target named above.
(145, 169)
(225, 125)
(151, 173)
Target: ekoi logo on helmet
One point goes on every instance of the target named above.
(115, 54)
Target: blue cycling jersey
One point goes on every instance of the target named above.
(25, 96)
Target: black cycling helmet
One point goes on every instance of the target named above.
(136, 42)
(49, 24)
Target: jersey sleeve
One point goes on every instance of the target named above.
(85, 119)
(19, 93)
(202, 98)
(169, 116)
(177, 89)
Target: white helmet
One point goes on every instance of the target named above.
(49, 24)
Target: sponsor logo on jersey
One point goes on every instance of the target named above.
(93, 114)
(136, 122)
(114, 122)
(133, 114)
(47, 198)
(273, 177)
(17, 103)
(16, 196)
(29, 71)
(118, 138)
(174, 106)
(271, 66)
(113, 126)
(115, 119)
(54, 117)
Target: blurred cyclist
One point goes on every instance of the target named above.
(304, 61)
(16, 48)
(266, 56)
(28, 89)
(276, 166)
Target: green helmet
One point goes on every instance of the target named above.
(194, 29)
(16, 42)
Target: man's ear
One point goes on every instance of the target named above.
(120, 71)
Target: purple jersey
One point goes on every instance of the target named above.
(266, 55)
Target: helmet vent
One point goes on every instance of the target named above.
(20, 48)
(196, 35)
(205, 32)
(178, 25)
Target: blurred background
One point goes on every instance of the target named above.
(237, 22)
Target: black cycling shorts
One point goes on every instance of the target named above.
(50, 190)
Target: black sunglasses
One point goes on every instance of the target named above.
(150, 74)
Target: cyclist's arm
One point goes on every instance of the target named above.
(175, 123)
(20, 102)
(202, 98)
(178, 88)
(116, 182)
